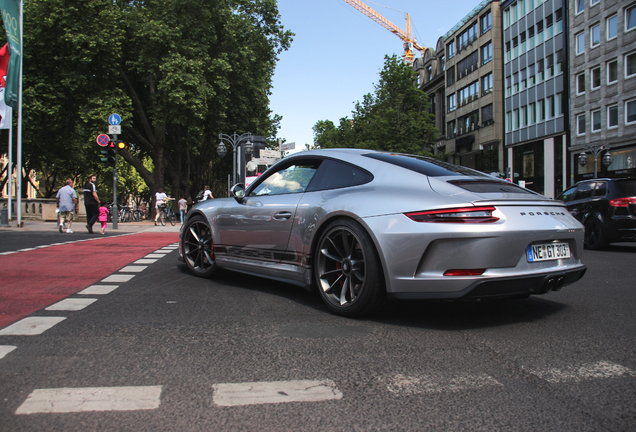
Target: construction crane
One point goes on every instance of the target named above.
(406, 36)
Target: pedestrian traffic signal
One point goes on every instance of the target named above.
(109, 156)
(121, 145)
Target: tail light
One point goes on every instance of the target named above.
(458, 215)
(622, 202)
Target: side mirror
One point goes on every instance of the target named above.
(238, 192)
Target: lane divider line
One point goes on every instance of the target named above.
(71, 304)
(404, 385)
(31, 326)
(584, 372)
(70, 400)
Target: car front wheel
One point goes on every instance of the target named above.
(347, 270)
(198, 247)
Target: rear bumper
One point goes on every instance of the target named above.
(504, 287)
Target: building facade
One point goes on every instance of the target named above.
(536, 93)
(603, 86)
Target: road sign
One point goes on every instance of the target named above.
(114, 130)
(270, 154)
(287, 146)
(114, 119)
(103, 140)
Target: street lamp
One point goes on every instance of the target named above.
(235, 141)
(606, 160)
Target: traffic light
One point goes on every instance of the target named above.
(109, 156)
(121, 145)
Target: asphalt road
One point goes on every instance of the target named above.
(183, 346)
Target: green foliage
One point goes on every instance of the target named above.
(395, 117)
(179, 72)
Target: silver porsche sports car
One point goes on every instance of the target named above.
(361, 226)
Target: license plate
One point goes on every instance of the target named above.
(548, 251)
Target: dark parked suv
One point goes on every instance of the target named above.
(607, 208)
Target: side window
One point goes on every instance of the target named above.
(584, 191)
(567, 195)
(334, 174)
(601, 189)
(288, 179)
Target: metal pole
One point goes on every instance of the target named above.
(19, 148)
(115, 215)
(234, 161)
(10, 167)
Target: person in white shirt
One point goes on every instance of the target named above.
(160, 200)
(207, 194)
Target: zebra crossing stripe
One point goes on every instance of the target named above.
(98, 289)
(68, 400)
(71, 304)
(133, 269)
(585, 372)
(254, 393)
(31, 326)
(6, 349)
(118, 278)
(404, 385)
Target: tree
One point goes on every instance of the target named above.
(395, 117)
(179, 72)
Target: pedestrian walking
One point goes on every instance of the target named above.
(103, 215)
(91, 202)
(189, 204)
(183, 204)
(160, 204)
(67, 204)
(207, 194)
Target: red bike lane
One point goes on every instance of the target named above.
(32, 280)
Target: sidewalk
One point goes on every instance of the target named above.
(125, 227)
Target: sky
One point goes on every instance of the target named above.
(337, 53)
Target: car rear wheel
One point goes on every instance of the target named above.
(594, 236)
(198, 247)
(347, 270)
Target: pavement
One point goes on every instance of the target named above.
(78, 227)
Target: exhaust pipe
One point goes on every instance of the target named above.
(559, 284)
(550, 285)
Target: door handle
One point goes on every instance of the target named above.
(282, 216)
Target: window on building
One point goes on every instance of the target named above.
(468, 65)
(630, 112)
(596, 120)
(487, 116)
(630, 65)
(531, 37)
(508, 85)
(515, 47)
(450, 50)
(612, 71)
(524, 78)
(451, 127)
(443, 60)
(515, 82)
(579, 6)
(550, 65)
(539, 32)
(531, 77)
(612, 27)
(580, 43)
(429, 73)
(450, 76)
(548, 26)
(559, 61)
(509, 121)
(580, 124)
(596, 78)
(486, 83)
(593, 2)
(630, 18)
(506, 18)
(486, 22)
(533, 112)
(523, 113)
(612, 116)
(558, 15)
(551, 106)
(580, 84)
(515, 116)
(508, 52)
(467, 37)
(522, 37)
(540, 71)
(541, 108)
(595, 35)
(451, 103)
(486, 53)
(469, 93)
(468, 122)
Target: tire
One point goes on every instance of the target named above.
(198, 248)
(162, 219)
(347, 270)
(594, 236)
(173, 219)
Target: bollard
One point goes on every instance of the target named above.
(4, 216)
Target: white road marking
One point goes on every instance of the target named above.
(98, 289)
(71, 304)
(118, 278)
(238, 394)
(588, 371)
(133, 269)
(6, 349)
(155, 255)
(31, 326)
(67, 400)
(146, 261)
(404, 385)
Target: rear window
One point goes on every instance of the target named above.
(492, 186)
(627, 187)
(425, 165)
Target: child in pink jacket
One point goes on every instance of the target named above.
(103, 215)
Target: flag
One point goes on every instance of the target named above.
(4, 63)
(11, 18)
(5, 112)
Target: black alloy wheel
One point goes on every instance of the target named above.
(198, 247)
(347, 270)
(594, 236)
